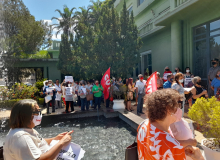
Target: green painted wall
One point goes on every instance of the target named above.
(52, 73)
(160, 46)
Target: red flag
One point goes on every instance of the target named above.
(151, 83)
(105, 82)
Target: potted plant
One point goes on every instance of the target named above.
(118, 96)
(206, 112)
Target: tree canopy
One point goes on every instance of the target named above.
(22, 35)
(102, 39)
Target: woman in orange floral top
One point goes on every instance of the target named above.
(155, 141)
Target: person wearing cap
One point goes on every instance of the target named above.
(140, 92)
(166, 72)
(212, 73)
(159, 81)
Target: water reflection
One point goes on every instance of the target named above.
(102, 140)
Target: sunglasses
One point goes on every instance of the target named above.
(37, 112)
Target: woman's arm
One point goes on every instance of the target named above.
(188, 142)
(197, 96)
(212, 88)
(54, 151)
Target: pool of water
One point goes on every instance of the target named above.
(102, 140)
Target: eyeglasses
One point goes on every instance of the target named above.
(37, 112)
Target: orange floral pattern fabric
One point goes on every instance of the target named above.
(155, 144)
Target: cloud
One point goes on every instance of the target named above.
(51, 22)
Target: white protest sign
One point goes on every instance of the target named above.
(58, 96)
(187, 80)
(70, 152)
(58, 87)
(187, 89)
(50, 89)
(68, 78)
(84, 90)
(69, 91)
(48, 98)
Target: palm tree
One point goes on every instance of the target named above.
(67, 21)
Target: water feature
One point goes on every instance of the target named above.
(102, 140)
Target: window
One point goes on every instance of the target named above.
(146, 63)
(130, 9)
(140, 2)
(206, 47)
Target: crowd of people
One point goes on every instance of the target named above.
(164, 135)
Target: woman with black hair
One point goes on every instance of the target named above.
(68, 96)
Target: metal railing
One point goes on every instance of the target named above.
(179, 2)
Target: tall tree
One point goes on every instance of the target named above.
(66, 21)
(23, 34)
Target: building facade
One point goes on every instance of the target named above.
(43, 68)
(176, 33)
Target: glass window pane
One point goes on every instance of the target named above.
(215, 33)
(201, 29)
(149, 60)
(201, 37)
(200, 61)
(130, 9)
(215, 25)
(215, 47)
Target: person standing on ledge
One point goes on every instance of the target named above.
(97, 90)
(212, 73)
(140, 92)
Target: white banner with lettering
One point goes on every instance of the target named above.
(68, 78)
(70, 152)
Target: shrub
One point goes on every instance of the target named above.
(206, 112)
(41, 101)
(22, 91)
(8, 103)
(39, 84)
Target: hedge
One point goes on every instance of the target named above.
(8, 103)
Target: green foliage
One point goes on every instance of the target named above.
(22, 91)
(23, 35)
(43, 54)
(66, 22)
(206, 112)
(41, 101)
(39, 84)
(8, 103)
(102, 39)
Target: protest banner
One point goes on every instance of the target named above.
(105, 82)
(70, 152)
(151, 83)
(84, 90)
(50, 89)
(69, 91)
(68, 78)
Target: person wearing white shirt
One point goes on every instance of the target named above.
(140, 92)
(58, 94)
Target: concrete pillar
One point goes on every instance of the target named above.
(176, 44)
(172, 4)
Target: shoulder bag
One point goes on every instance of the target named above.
(131, 152)
(89, 97)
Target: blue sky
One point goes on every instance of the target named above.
(45, 9)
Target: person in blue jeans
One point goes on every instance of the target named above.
(83, 91)
(97, 89)
(216, 82)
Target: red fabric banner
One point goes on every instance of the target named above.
(105, 82)
(151, 84)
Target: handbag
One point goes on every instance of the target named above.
(1, 153)
(131, 152)
(89, 97)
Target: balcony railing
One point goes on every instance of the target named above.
(179, 2)
(116, 3)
